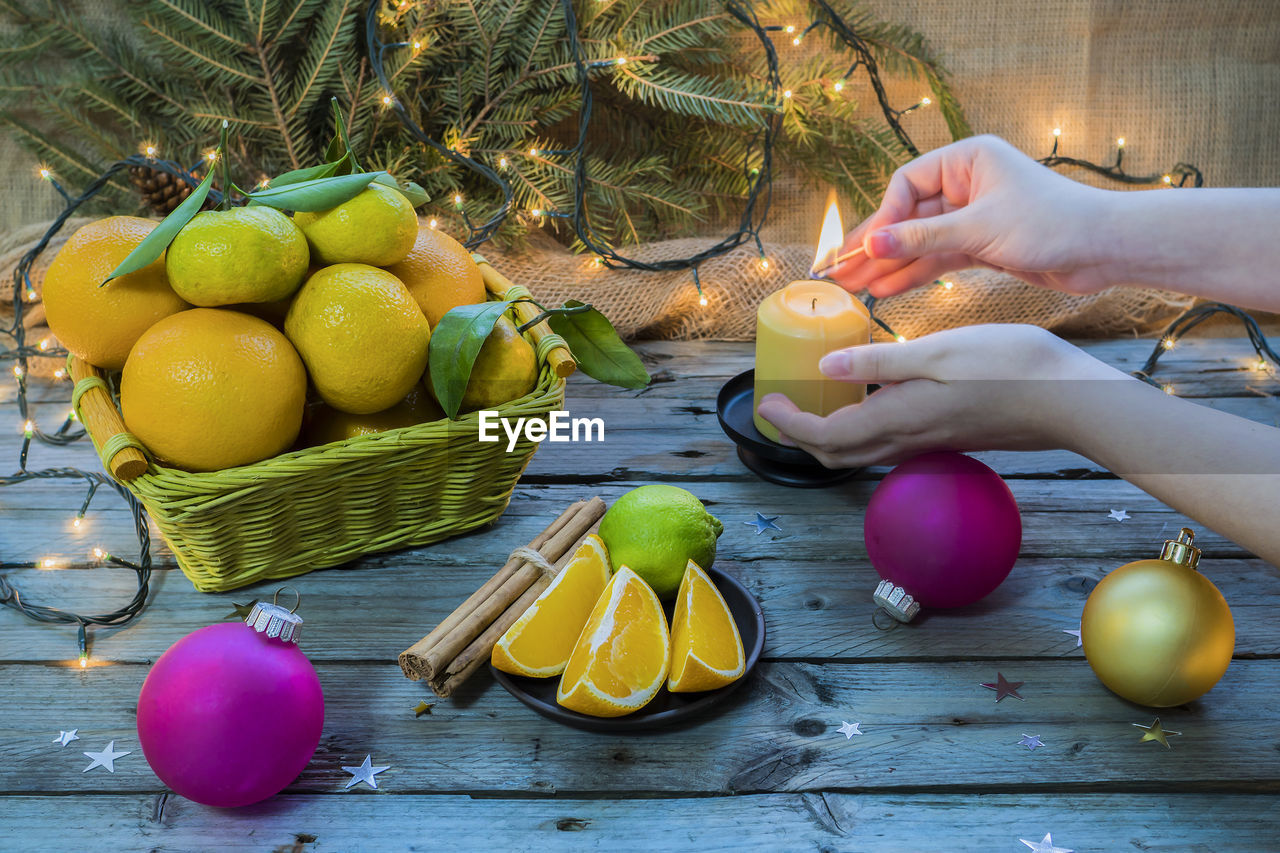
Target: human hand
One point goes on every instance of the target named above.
(973, 388)
(979, 202)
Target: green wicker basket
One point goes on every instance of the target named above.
(327, 505)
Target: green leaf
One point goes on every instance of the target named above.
(597, 348)
(417, 195)
(455, 343)
(154, 244)
(311, 173)
(316, 194)
(339, 150)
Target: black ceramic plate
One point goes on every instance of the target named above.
(777, 463)
(667, 708)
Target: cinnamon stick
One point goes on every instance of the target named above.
(467, 607)
(430, 656)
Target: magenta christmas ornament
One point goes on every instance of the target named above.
(942, 530)
(231, 713)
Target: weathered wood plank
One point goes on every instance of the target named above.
(869, 823)
(925, 728)
(815, 610)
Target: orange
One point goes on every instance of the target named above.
(440, 274)
(101, 324)
(506, 369)
(621, 658)
(328, 424)
(706, 648)
(209, 389)
(540, 641)
(362, 336)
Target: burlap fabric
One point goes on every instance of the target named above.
(1178, 79)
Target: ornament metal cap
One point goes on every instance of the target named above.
(896, 601)
(275, 621)
(1181, 551)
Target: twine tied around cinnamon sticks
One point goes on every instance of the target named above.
(464, 641)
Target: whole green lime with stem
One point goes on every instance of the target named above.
(656, 530)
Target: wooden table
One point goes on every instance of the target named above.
(938, 766)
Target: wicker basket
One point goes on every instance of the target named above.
(323, 506)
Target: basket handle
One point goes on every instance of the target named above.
(120, 450)
(558, 354)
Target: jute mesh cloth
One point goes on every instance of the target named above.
(1180, 80)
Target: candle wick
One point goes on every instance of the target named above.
(814, 306)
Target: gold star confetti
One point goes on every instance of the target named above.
(1003, 687)
(423, 708)
(1156, 732)
(241, 610)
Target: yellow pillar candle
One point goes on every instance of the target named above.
(795, 327)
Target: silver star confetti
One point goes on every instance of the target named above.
(365, 773)
(1045, 845)
(1075, 632)
(849, 729)
(65, 738)
(763, 523)
(1118, 514)
(1003, 687)
(1156, 732)
(106, 758)
(1030, 741)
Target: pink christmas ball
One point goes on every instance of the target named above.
(944, 527)
(228, 716)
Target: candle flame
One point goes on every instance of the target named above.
(832, 236)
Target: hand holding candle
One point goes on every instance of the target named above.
(796, 327)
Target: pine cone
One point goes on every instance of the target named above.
(162, 191)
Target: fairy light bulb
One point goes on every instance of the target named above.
(1168, 389)
(1057, 131)
(59, 374)
(533, 152)
(18, 371)
(839, 86)
(48, 563)
(82, 643)
(29, 428)
(386, 100)
(1261, 365)
(796, 41)
(457, 199)
(702, 300)
(31, 294)
(764, 264)
(433, 224)
(537, 211)
(621, 60)
(502, 162)
(417, 45)
(902, 339)
(45, 344)
(77, 522)
(1120, 142)
(1168, 179)
(45, 173)
(948, 285)
(71, 415)
(1167, 343)
(926, 101)
(99, 554)
(786, 94)
(791, 28)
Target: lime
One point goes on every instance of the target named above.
(656, 530)
(246, 254)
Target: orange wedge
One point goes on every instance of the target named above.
(621, 659)
(706, 648)
(539, 642)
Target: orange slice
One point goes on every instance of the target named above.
(706, 648)
(621, 659)
(539, 642)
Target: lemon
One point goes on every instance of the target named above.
(363, 338)
(246, 254)
(506, 369)
(208, 389)
(440, 274)
(376, 227)
(657, 530)
(101, 324)
(328, 424)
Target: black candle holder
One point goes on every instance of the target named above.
(767, 459)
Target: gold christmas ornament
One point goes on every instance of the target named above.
(1157, 632)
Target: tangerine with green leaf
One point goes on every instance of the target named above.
(377, 227)
(245, 254)
(101, 324)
